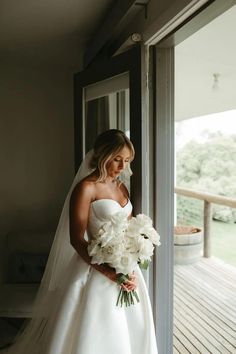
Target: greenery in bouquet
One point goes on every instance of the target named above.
(124, 244)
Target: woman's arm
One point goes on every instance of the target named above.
(80, 200)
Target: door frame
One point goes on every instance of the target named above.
(163, 269)
(189, 21)
(129, 61)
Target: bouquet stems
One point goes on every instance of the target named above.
(125, 297)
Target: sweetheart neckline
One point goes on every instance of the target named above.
(113, 200)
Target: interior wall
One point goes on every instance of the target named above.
(37, 146)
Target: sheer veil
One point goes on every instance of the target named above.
(31, 337)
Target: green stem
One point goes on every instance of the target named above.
(122, 297)
(131, 298)
(136, 296)
(117, 303)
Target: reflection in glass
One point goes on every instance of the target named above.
(107, 112)
(96, 119)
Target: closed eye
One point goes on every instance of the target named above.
(120, 160)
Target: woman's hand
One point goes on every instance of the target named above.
(130, 284)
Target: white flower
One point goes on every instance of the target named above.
(145, 248)
(122, 243)
(127, 264)
(154, 237)
(94, 247)
(107, 239)
(119, 220)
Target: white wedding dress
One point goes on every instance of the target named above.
(85, 317)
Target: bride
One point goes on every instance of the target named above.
(75, 310)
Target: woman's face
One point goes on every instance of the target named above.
(119, 162)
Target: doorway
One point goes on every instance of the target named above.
(165, 58)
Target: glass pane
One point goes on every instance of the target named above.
(107, 112)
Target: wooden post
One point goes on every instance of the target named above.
(208, 200)
(207, 229)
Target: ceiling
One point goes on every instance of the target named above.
(205, 69)
(56, 32)
(49, 32)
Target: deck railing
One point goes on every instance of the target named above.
(208, 199)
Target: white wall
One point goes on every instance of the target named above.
(37, 146)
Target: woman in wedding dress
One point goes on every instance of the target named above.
(75, 310)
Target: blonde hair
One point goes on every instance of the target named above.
(107, 146)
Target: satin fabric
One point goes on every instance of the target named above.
(84, 318)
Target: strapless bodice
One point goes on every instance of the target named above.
(100, 212)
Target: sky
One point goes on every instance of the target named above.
(192, 129)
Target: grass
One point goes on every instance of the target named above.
(224, 241)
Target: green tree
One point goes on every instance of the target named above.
(208, 167)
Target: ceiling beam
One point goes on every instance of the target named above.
(121, 13)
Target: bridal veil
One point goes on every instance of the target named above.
(61, 253)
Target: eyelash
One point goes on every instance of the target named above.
(120, 160)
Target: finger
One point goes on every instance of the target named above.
(133, 280)
(132, 276)
(124, 287)
(130, 287)
(130, 282)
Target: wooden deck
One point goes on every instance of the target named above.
(205, 308)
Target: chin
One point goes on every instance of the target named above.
(115, 174)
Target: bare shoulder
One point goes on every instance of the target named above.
(85, 189)
(124, 189)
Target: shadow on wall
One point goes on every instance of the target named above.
(37, 153)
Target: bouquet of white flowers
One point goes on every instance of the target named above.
(123, 244)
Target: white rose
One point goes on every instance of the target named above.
(145, 248)
(132, 244)
(154, 236)
(119, 220)
(143, 220)
(127, 264)
(106, 239)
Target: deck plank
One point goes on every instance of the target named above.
(205, 334)
(205, 308)
(203, 313)
(184, 339)
(178, 345)
(207, 297)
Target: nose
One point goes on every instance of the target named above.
(121, 165)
